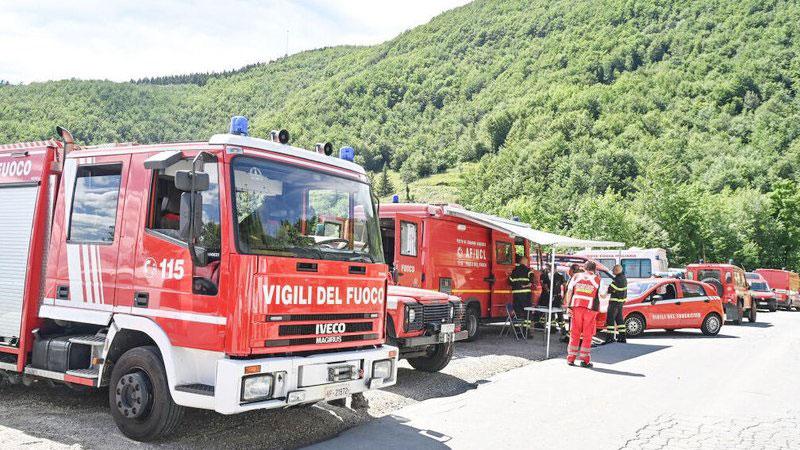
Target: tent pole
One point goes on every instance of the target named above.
(550, 307)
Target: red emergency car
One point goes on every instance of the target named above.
(731, 285)
(191, 275)
(424, 324)
(762, 293)
(786, 285)
(670, 304)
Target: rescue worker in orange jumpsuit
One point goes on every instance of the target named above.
(584, 301)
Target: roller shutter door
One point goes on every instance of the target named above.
(16, 223)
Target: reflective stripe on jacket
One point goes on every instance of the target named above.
(520, 279)
(585, 288)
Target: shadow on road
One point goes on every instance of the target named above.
(615, 353)
(421, 386)
(387, 433)
(758, 325)
(617, 372)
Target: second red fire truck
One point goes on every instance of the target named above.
(192, 275)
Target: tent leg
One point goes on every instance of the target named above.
(550, 307)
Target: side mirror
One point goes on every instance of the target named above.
(727, 278)
(395, 275)
(187, 198)
(187, 181)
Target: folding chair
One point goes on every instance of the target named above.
(513, 323)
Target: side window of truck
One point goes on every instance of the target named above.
(166, 207)
(94, 204)
(691, 290)
(408, 239)
(637, 267)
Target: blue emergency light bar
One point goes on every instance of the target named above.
(239, 125)
(347, 154)
(395, 198)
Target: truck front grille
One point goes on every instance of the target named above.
(301, 330)
(436, 313)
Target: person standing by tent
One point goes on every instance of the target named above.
(584, 301)
(521, 278)
(618, 290)
(544, 299)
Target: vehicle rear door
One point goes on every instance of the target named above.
(695, 304)
(407, 250)
(503, 255)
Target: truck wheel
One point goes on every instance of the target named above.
(751, 314)
(634, 325)
(138, 393)
(438, 358)
(739, 314)
(711, 325)
(772, 305)
(472, 322)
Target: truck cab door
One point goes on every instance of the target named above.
(408, 265)
(503, 256)
(95, 193)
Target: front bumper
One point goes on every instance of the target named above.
(302, 376)
(434, 339)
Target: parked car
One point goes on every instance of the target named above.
(763, 295)
(670, 304)
(786, 285)
(731, 286)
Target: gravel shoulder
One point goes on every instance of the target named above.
(55, 417)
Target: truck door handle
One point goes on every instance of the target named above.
(141, 299)
(706, 301)
(490, 279)
(62, 292)
(678, 303)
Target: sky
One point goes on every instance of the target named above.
(122, 40)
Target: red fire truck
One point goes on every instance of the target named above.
(785, 284)
(191, 275)
(455, 251)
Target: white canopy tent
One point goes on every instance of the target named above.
(523, 230)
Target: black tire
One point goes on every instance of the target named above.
(752, 313)
(772, 305)
(635, 325)
(739, 314)
(472, 322)
(145, 377)
(711, 325)
(438, 358)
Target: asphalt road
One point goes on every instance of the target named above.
(55, 417)
(740, 389)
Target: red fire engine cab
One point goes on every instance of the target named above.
(191, 275)
(449, 249)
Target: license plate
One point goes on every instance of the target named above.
(334, 392)
(446, 332)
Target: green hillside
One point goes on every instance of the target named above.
(657, 122)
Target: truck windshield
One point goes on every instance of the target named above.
(286, 210)
(759, 286)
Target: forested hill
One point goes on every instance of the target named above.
(660, 123)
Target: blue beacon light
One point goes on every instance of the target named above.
(347, 154)
(239, 125)
(395, 198)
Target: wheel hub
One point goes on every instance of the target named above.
(713, 324)
(133, 394)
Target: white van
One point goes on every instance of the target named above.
(638, 263)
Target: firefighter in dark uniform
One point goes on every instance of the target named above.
(618, 292)
(544, 299)
(521, 279)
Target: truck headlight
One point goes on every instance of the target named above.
(382, 369)
(257, 387)
(412, 315)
